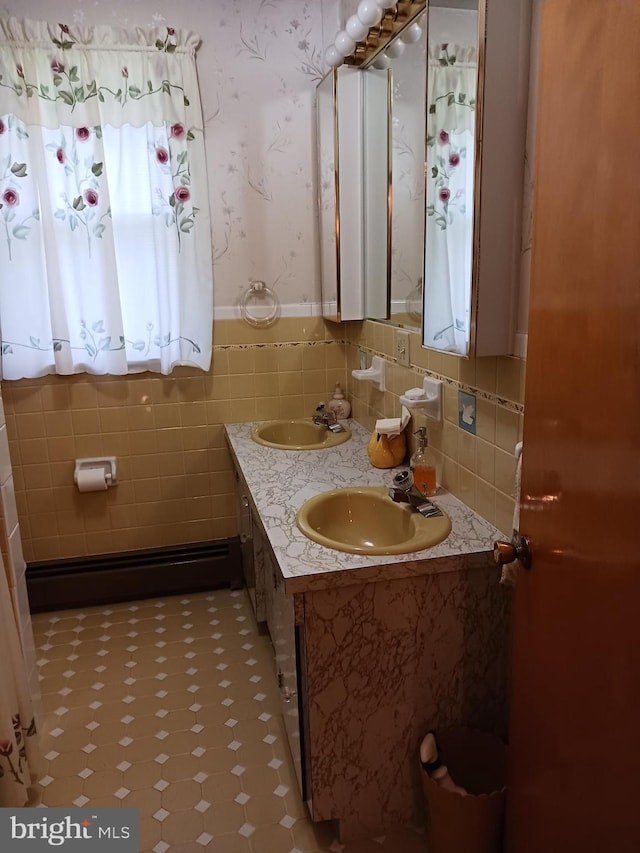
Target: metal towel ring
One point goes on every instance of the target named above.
(258, 295)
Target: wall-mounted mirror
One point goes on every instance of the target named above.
(407, 53)
(352, 136)
(477, 88)
(458, 119)
(452, 80)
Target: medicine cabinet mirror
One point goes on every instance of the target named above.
(352, 137)
(477, 88)
(408, 78)
(430, 239)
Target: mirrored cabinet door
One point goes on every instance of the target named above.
(407, 186)
(352, 134)
(340, 158)
(477, 87)
(326, 130)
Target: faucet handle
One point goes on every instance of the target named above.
(403, 480)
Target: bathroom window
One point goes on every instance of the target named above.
(105, 249)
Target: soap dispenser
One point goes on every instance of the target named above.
(338, 405)
(423, 466)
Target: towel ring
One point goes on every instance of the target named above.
(258, 295)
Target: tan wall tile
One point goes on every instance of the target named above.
(467, 371)
(314, 358)
(267, 408)
(289, 359)
(195, 413)
(140, 417)
(507, 429)
(486, 372)
(267, 360)
(467, 487)
(30, 425)
(243, 410)
(486, 420)
(266, 385)
(55, 398)
(241, 361)
(486, 501)
(467, 450)
(242, 386)
(86, 446)
(504, 513)
(34, 451)
(83, 395)
(505, 469)
(510, 378)
(166, 432)
(485, 460)
(85, 421)
(290, 383)
(57, 423)
(34, 477)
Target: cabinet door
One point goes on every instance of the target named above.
(282, 628)
(261, 568)
(243, 507)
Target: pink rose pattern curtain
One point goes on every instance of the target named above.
(451, 99)
(105, 247)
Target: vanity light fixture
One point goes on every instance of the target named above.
(369, 31)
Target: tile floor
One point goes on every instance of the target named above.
(171, 706)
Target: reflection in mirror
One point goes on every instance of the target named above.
(451, 97)
(377, 202)
(327, 192)
(407, 170)
(352, 134)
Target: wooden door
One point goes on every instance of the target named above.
(574, 781)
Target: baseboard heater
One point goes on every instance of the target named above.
(86, 581)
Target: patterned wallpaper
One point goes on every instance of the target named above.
(259, 64)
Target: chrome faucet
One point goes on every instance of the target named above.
(327, 418)
(404, 491)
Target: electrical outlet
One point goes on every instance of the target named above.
(402, 347)
(362, 355)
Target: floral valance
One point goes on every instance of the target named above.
(105, 239)
(60, 74)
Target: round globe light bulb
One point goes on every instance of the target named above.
(332, 57)
(344, 44)
(395, 48)
(412, 33)
(381, 62)
(355, 28)
(369, 12)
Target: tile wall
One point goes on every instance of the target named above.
(175, 481)
(479, 469)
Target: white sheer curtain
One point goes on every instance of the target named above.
(451, 85)
(20, 759)
(105, 246)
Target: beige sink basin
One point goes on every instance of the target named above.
(297, 435)
(364, 520)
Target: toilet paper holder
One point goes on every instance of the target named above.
(106, 463)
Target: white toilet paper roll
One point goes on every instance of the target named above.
(91, 480)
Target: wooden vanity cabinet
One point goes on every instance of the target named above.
(364, 670)
(275, 609)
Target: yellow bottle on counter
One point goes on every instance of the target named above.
(423, 466)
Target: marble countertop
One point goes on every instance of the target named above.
(280, 481)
